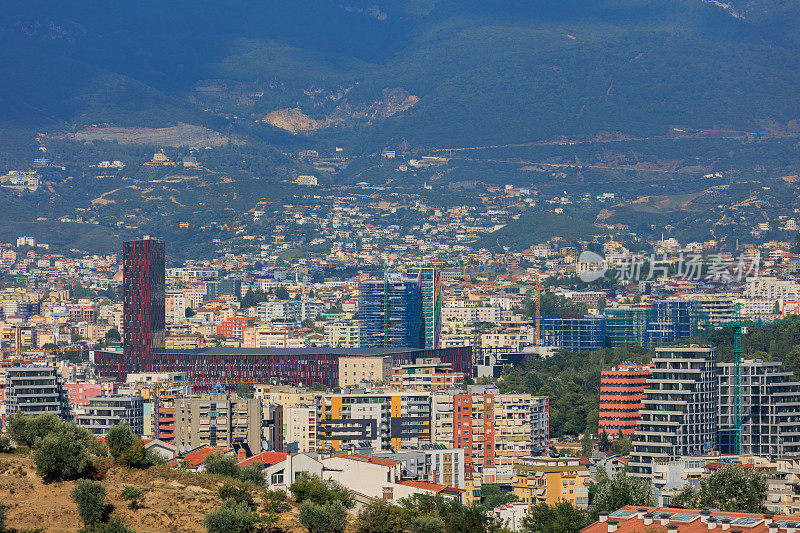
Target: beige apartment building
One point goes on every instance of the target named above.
(301, 427)
(218, 420)
(355, 369)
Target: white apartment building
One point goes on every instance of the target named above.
(301, 427)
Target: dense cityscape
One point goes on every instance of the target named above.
(407, 266)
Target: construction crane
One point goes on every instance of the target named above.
(538, 318)
(739, 328)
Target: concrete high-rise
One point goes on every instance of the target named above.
(144, 320)
(679, 417)
(770, 410)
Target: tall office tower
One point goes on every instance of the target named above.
(389, 313)
(770, 410)
(430, 284)
(679, 417)
(621, 396)
(143, 301)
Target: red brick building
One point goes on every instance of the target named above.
(621, 398)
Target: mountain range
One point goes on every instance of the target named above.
(428, 73)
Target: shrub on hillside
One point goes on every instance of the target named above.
(25, 429)
(5, 444)
(119, 439)
(328, 517)
(382, 517)
(132, 495)
(232, 517)
(320, 491)
(237, 494)
(253, 473)
(2, 518)
(90, 497)
(222, 465)
(427, 523)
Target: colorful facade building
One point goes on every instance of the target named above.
(384, 421)
(551, 480)
(144, 320)
(621, 397)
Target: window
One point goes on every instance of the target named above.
(277, 478)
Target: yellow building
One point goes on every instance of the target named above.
(550, 480)
(472, 490)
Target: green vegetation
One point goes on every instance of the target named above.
(320, 491)
(530, 229)
(610, 494)
(132, 495)
(731, 488)
(493, 496)
(231, 517)
(89, 496)
(560, 518)
(572, 381)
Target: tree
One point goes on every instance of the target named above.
(427, 523)
(119, 438)
(493, 496)
(222, 465)
(601, 303)
(275, 501)
(113, 335)
(2, 518)
(320, 491)
(381, 517)
(619, 491)
(89, 495)
(603, 442)
(135, 456)
(732, 488)
(25, 429)
(328, 517)
(243, 390)
(560, 518)
(62, 454)
(232, 517)
(238, 494)
(622, 445)
(281, 293)
(253, 473)
(686, 498)
(132, 495)
(587, 444)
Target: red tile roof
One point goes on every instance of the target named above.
(435, 487)
(366, 459)
(265, 458)
(691, 522)
(198, 457)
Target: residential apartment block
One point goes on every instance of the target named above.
(621, 396)
(35, 390)
(380, 420)
(493, 429)
(551, 480)
(679, 416)
(218, 419)
(105, 412)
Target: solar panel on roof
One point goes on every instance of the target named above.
(683, 517)
(747, 521)
(784, 523)
(623, 514)
(742, 520)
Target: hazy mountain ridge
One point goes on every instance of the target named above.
(482, 72)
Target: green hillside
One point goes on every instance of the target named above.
(529, 230)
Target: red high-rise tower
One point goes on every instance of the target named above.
(143, 265)
(621, 398)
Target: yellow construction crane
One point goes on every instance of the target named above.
(538, 317)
